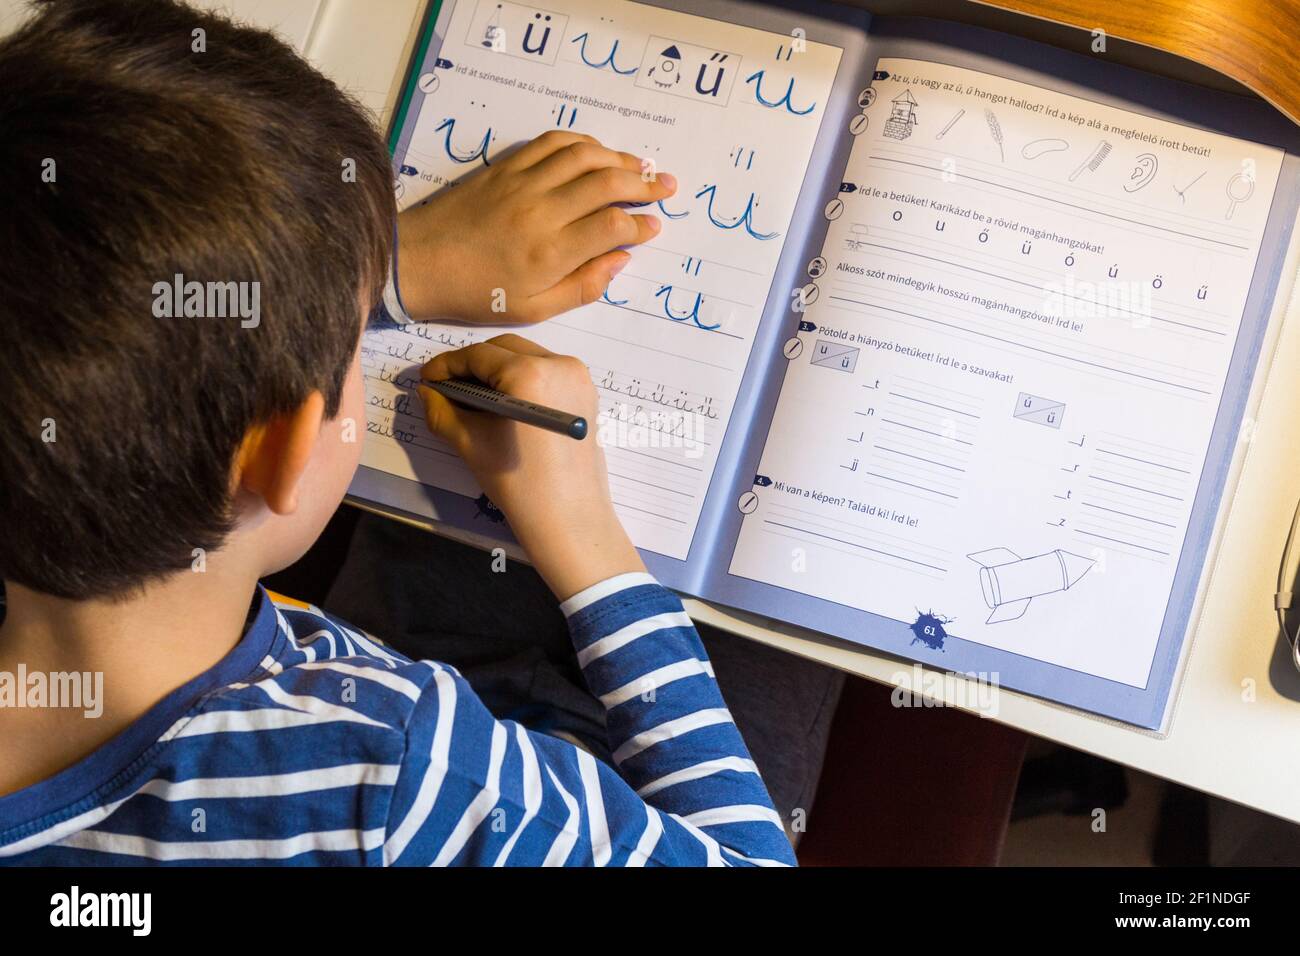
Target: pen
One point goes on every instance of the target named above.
(481, 398)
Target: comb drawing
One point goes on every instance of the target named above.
(1097, 157)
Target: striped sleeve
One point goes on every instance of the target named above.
(474, 790)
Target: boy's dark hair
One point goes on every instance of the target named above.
(135, 148)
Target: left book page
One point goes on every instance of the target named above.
(732, 112)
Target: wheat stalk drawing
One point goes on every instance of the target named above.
(995, 130)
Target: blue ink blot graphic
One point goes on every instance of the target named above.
(929, 630)
(487, 509)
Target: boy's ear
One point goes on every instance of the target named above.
(274, 454)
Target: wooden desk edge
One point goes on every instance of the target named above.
(1245, 42)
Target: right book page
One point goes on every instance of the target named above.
(996, 421)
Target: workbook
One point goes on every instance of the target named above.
(946, 346)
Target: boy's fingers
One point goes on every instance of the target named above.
(520, 345)
(483, 361)
(445, 419)
(607, 186)
(576, 160)
(605, 230)
(581, 287)
(535, 150)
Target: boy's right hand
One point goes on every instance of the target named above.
(554, 490)
(533, 235)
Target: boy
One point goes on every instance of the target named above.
(157, 458)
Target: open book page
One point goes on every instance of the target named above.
(996, 423)
(732, 111)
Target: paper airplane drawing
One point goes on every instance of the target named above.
(1010, 582)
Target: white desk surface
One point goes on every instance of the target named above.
(1233, 735)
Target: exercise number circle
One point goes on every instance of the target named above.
(866, 98)
(428, 82)
(793, 348)
(834, 209)
(858, 125)
(817, 268)
(747, 503)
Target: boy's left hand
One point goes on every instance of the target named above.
(529, 237)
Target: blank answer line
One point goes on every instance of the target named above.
(668, 318)
(874, 474)
(662, 461)
(1124, 441)
(1126, 543)
(955, 411)
(644, 511)
(1113, 511)
(648, 348)
(642, 481)
(1135, 487)
(854, 544)
(926, 431)
(812, 521)
(1144, 461)
(712, 262)
(919, 458)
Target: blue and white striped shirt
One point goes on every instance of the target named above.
(311, 743)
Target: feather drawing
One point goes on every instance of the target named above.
(1095, 159)
(995, 130)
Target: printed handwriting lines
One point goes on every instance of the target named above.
(623, 341)
(949, 394)
(930, 553)
(622, 398)
(1031, 275)
(1139, 480)
(1127, 514)
(1027, 333)
(679, 255)
(870, 551)
(920, 458)
(1145, 448)
(614, 451)
(910, 487)
(652, 484)
(1096, 537)
(1038, 289)
(620, 506)
(1134, 521)
(680, 323)
(939, 451)
(709, 295)
(946, 408)
(1020, 345)
(1154, 464)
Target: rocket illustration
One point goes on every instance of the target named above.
(1010, 582)
(667, 69)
